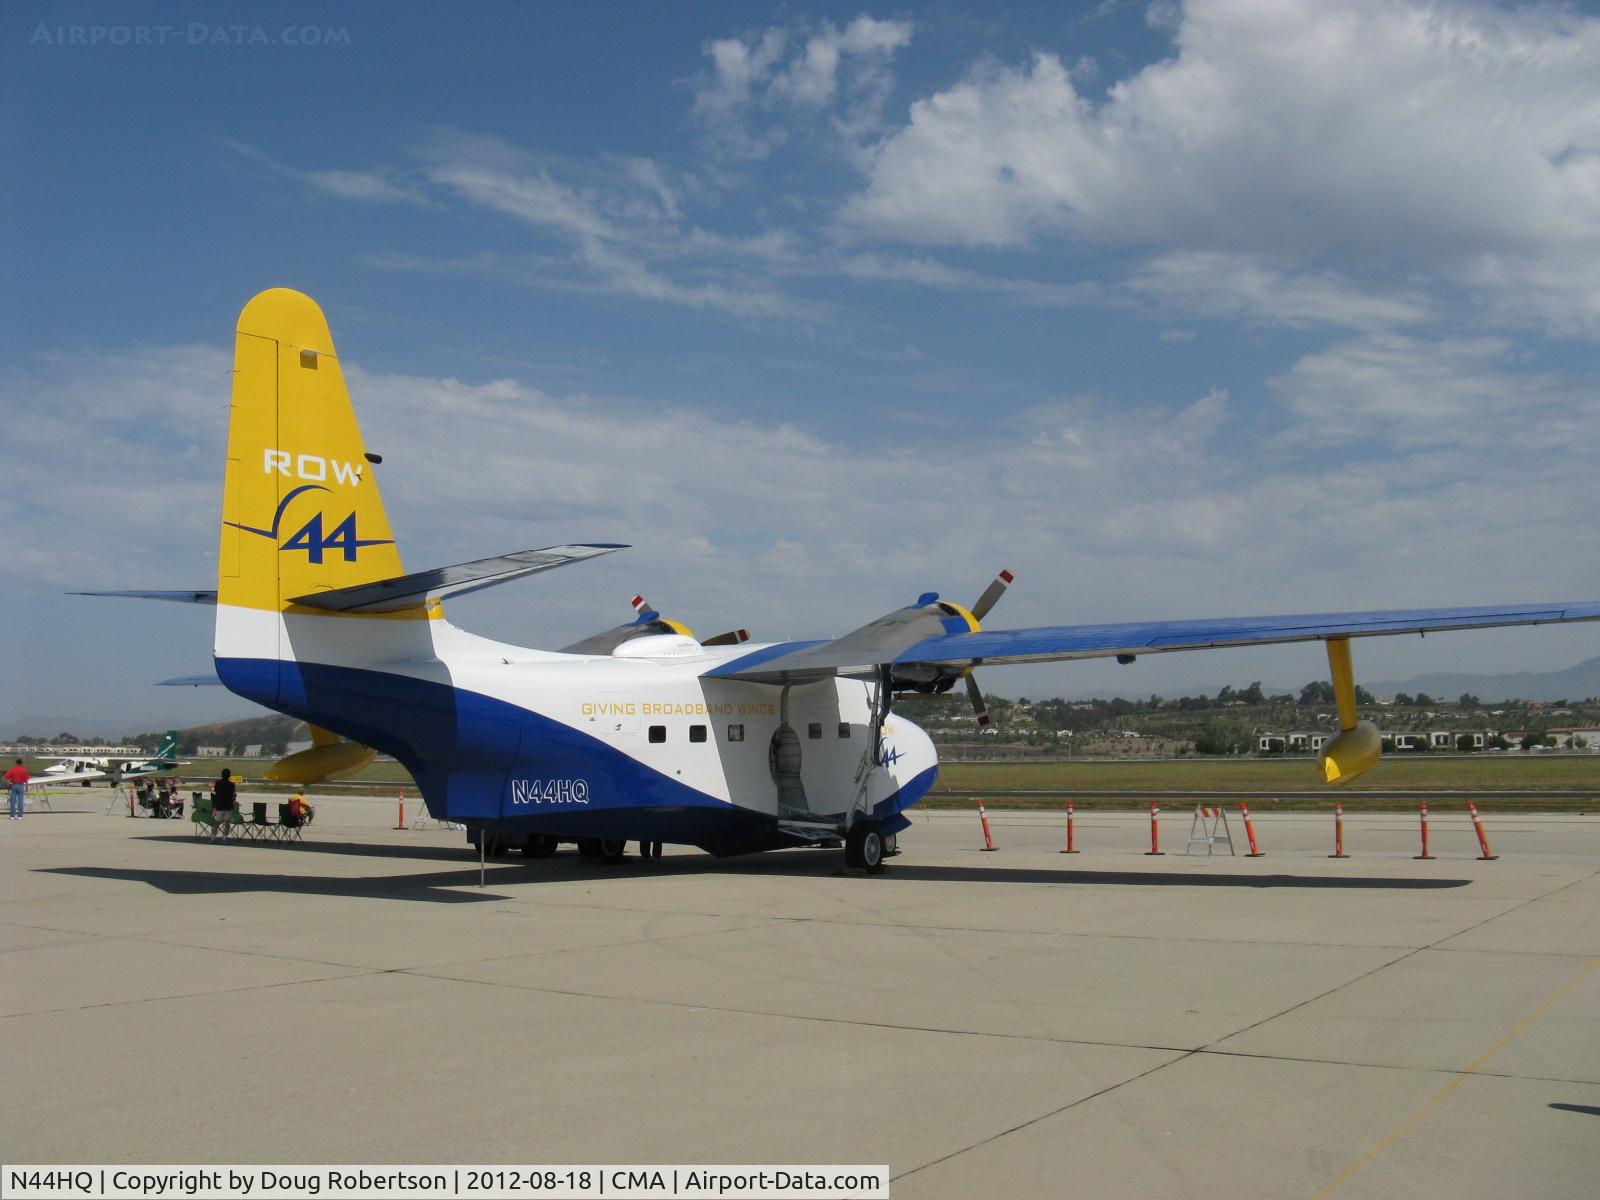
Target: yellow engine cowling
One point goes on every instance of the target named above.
(330, 757)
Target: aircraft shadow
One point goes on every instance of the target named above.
(1586, 1109)
(455, 854)
(1069, 877)
(566, 866)
(434, 888)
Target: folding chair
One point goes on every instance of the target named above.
(259, 826)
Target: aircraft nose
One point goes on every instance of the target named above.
(917, 751)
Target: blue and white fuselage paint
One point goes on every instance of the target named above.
(637, 744)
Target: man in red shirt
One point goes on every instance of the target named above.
(17, 777)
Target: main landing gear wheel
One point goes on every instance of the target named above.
(611, 850)
(891, 845)
(540, 845)
(864, 847)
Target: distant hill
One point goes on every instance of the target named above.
(268, 731)
(1573, 683)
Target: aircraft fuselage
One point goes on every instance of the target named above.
(633, 745)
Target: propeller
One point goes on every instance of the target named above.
(647, 613)
(991, 596)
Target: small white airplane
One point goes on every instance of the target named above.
(86, 768)
(643, 732)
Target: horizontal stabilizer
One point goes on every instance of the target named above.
(207, 679)
(425, 587)
(193, 597)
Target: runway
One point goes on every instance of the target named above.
(1020, 1023)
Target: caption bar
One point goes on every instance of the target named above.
(584, 1182)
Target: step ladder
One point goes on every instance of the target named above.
(812, 833)
(1209, 829)
(423, 820)
(36, 793)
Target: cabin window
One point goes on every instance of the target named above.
(814, 730)
(658, 733)
(736, 733)
(844, 729)
(697, 733)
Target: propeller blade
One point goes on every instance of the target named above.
(978, 706)
(732, 638)
(991, 595)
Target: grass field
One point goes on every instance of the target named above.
(1465, 773)
(1527, 774)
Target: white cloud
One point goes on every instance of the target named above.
(930, 272)
(113, 450)
(619, 225)
(1105, 510)
(757, 85)
(1408, 393)
(374, 186)
(1452, 139)
(1241, 287)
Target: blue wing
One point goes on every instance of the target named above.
(1049, 642)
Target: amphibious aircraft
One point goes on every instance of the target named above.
(642, 732)
(86, 768)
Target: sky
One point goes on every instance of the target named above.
(1174, 309)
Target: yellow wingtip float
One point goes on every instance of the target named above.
(1358, 745)
(330, 757)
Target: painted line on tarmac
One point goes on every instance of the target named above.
(1466, 1072)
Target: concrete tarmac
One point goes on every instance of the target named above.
(1013, 1024)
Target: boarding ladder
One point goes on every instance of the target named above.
(826, 832)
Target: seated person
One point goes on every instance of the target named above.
(167, 802)
(299, 811)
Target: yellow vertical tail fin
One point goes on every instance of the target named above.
(301, 511)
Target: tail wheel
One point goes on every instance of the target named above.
(605, 849)
(864, 847)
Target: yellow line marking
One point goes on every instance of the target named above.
(1431, 1101)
